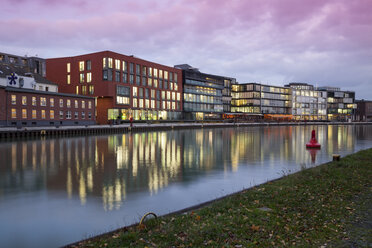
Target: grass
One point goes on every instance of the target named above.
(312, 208)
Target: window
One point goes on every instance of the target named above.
(140, 92)
(147, 103)
(175, 77)
(14, 99)
(81, 66)
(144, 70)
(168, 95)
(61, 103)
(134, 102)
(76, 115)
(68, 103)
(117, 76)
(140, 103)
(149, 82)
(152, 104)
(178, 97)
(42, 101)
(51, 100)
(84, 90)
(51, 114)
(152, 93)
(117, 64)
(43, 114)
(131, 79)
(89, 65)
(89, 115)
(144, 80)
(155, 83)
(82, 115)
(131, 68)
(68, 114)
(125, 78)
(125, 66)
(24, 113)
(104, 62)
(170, 76)
(146, 93)
(33, 114)
(60, 114)
(68, 79)
(155, 72)
(83, 104)
(89, 77)
(165, 75)
(138, 69)
(109, 62)
(24, 100)
(138, 79)
(123, 90)
(81, 77)
(173, 96)
(161, 73)
(77, 90)
(89, 105)
(68, 67)
(150, 72)
(76, 104)
(122, 100)
(91, 89)
(134, 91)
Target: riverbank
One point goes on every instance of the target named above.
(325, 206)
(62, 131)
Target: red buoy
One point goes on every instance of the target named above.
(313, 143)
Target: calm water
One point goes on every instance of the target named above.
(57, 191)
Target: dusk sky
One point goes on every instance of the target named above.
(323, 42)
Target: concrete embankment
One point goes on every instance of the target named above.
(29, 132)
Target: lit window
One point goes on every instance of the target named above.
(81, 66)
(89, 105)
(173, 105)
(83, 104)
(168, 95)
(52, 102)
(14, 99)
(149, 82)
(68, 103)
(147, 103)
(125, 66)
(117, 64)
(68, 114)
(77, 90)
(134, 102)
(33, 114)
(152, 104)
(160, 73)
(173, 96)
(84, 90)
(42, 101)
(155, 83)
(24, 113)
(43, 114)
(104, 62)
(68, 67)
(24, 100)
(155, 72)
(141, 103)
(166, 75)
(122, 100)
(134, 91)
(81, 77)
(150, 72)
(76, 104)
(91, 89)
(61, 103)
(51, 113)
(33, 101)
(152, 93)
(178, 96)
(60, 114)
(109, 62)
(89, 77)
(68, 79)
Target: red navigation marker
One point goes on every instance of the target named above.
(313, 143)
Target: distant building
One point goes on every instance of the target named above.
(274, 102)
(363, 112)
(34, 65)
(205, 96)
(340, 104)
(308, 104)
(124, 86)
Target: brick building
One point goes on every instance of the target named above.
(124, 86)
(28, 107)
(363, 111)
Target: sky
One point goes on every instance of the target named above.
(321, 42)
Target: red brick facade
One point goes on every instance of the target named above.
(147, 90)
(26, 107)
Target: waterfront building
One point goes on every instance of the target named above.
(205, 96)
(255, 99)
(340, 104)
(308, 104)
(124, 86)
(363, 112)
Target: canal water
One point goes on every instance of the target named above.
(57, 191)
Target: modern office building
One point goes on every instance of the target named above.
(274, 102)
(124, 86)
(340, 104)
(308, 104)
(205, 96)
(363, 112)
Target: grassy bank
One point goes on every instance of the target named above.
(316, 207)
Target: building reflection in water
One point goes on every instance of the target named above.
(112, 167)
